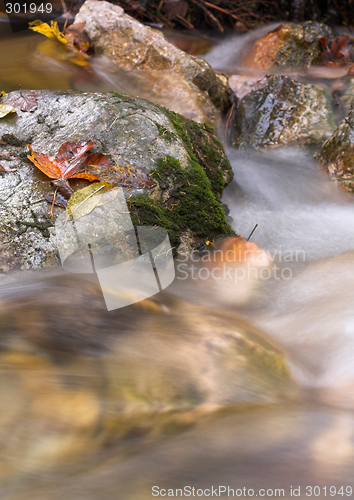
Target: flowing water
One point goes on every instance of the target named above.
(305, 446)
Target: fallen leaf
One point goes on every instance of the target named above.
(83, 201)
(336, 53)
(71, 156)
(68, 163)
(240, 251)
(104, 168)
(66, 166)
(63, 187)
(60, 200)
(5, 109)
(47, 164)
(51, 31)
(28, 102)
(76, 37)
(173, 8)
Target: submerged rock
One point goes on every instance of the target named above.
(283, 112)
(337, 154)
(185, 159)
(292, 45)
(186, 84)
(75, 378)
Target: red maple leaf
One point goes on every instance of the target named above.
(67, 164)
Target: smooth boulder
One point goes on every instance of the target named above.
(185, 159)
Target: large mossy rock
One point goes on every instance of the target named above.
(75, 378)
(185, 159)
(186, 84)
(292, 45)
(337, 154)
(283, 112)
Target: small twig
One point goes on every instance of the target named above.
(228, 121)
(253, 230)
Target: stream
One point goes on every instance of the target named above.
(301, 448)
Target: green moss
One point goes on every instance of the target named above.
(190, 205)
(206, 150)
(165, 134)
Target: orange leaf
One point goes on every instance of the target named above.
(47, 164)
(71, 156)
(98, 159)
(84, 175)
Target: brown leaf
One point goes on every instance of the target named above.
(76, 37)
(25, 102)
(71, 156)
(98, 159)
(337, 53)
(60, 201)
(102, 166)
(68, 162)
(47, 164)
(105, 169)
(173, 8)
(63, 186)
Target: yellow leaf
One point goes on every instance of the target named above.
(5, 109)
(83, 201)
(51, 31)
(2, 93)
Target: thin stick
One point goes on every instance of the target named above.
(228, 121)
(253, 230)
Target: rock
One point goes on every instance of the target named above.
(337, 153)
(75, 378)
(346, 93)
(285, 47)
(185, 158)
(186, 84)
(283, 112)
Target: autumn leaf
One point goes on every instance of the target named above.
(51, 31)
(240, 251)
(5, 109)
(28, 102)
(58, 198)
(76, 37)
(336, 53)
(47, 164)
(129, 177)
(68, 163)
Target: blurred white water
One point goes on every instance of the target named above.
(302, 213)
(295, 205)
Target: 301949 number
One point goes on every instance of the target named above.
(332, 491)
(17, 8)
